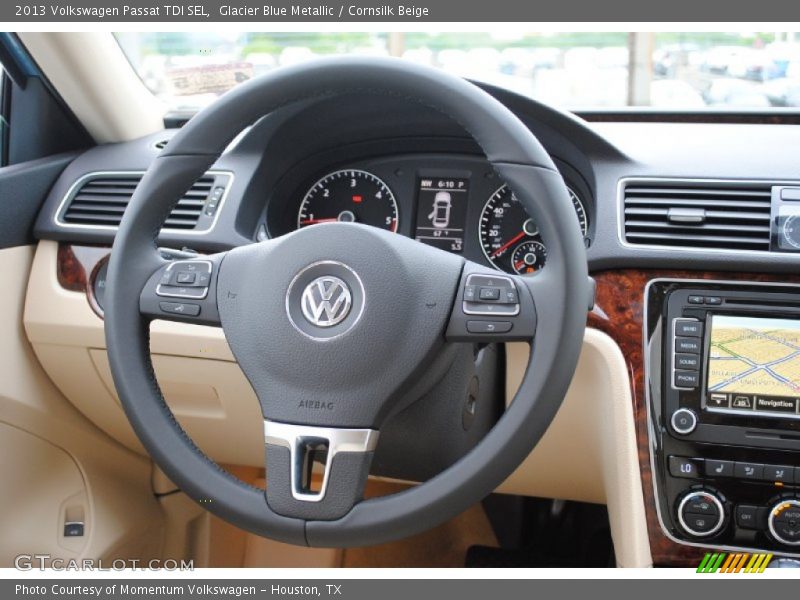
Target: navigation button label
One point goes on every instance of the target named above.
(773, 404)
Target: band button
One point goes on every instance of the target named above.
(688, 328)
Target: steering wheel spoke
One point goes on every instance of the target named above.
(316, 473)
(183, 290)
(492, 307)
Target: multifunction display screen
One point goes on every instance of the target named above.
(442, 212)
(754, 365)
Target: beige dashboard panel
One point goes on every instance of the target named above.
(213, 402)
(67, 467)
(589, 452)
(40, 493)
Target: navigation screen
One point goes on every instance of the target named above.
(754, 365)
(442, 212)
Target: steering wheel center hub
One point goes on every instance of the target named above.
(325, 300)
(342, 311)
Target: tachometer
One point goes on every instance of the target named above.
(510, 238)
(350, 196)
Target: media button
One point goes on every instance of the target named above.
(744, 470)
(713, 300)
(696, 299)
(718, 468)
(688, 345)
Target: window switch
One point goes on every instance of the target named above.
(73, 529)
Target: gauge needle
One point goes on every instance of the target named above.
(510, 242)
(315, 221)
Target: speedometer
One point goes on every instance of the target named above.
(510, 238)
(349, 196)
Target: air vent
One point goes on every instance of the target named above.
(101, 199)
(729, 215)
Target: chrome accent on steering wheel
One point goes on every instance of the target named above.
(300, 438)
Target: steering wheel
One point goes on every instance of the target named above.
(328, 337)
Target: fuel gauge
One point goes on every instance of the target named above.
(528, 257)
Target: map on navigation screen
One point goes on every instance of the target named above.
(754, 364)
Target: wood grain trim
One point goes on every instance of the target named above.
(619, 312)
(76, 267)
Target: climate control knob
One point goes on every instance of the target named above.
(784, 521)
(701, 513)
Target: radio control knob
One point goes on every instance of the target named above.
(684, 421)
(784, 521)
(701, 513)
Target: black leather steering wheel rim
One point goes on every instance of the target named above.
(517, 157)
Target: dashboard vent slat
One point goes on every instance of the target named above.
(101, 200)
(729, 215)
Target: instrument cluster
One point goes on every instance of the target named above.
(456, 203)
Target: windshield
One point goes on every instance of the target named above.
(665, 71)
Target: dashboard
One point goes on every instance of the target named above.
(450, 201)
(668, 211)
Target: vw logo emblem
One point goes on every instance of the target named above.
(326, 301)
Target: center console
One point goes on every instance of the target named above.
(722, 363)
